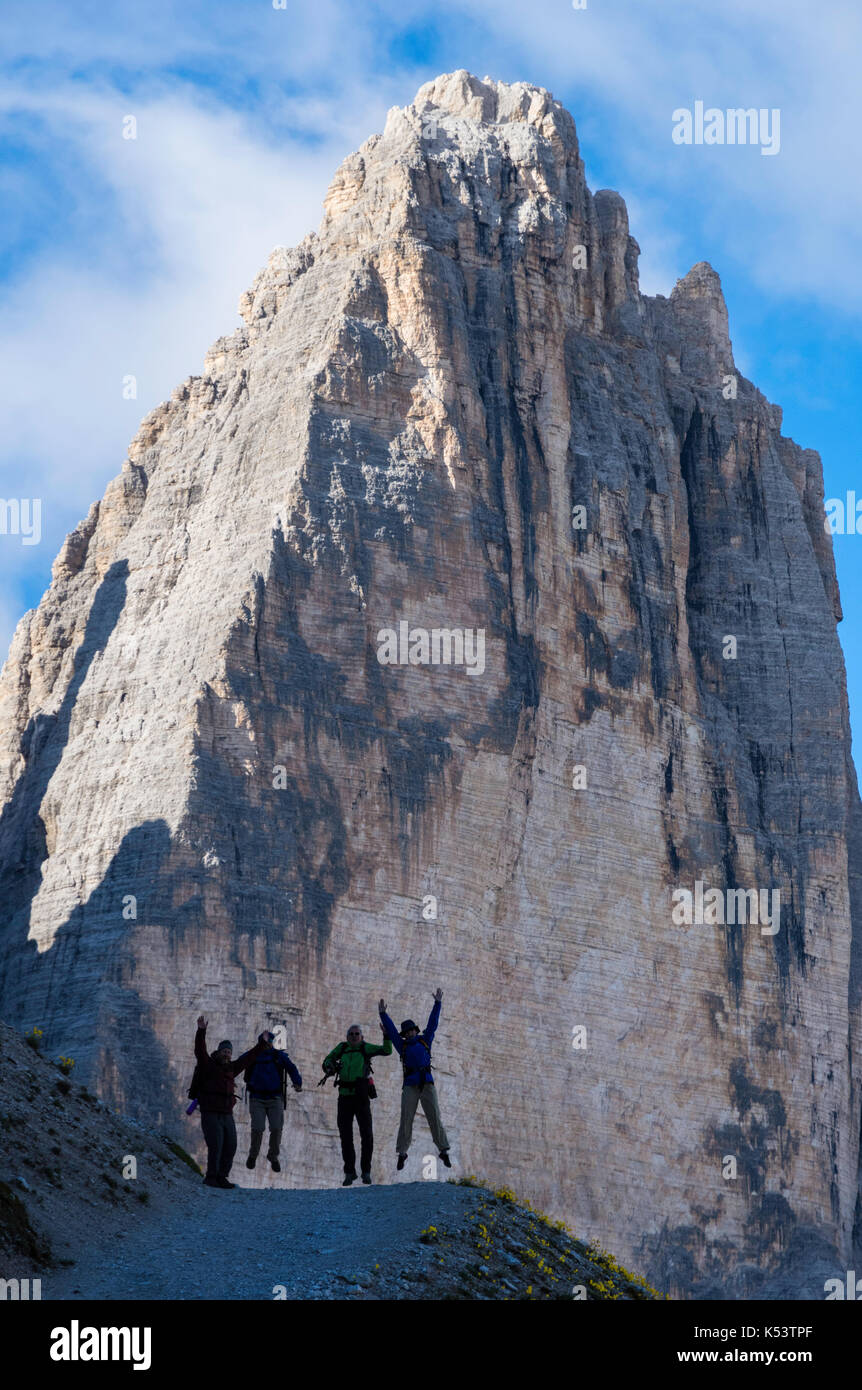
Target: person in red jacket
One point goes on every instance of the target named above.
(214, 1092)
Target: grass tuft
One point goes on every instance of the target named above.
(180, 1152)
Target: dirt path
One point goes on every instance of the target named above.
(321, 1244)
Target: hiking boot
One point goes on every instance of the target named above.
(250, 1162)
(444, 1155)
(211, 1182)
(348, 1179)
(275, 1165)
(402, 1159)
(366, 1178)
(223, 1182)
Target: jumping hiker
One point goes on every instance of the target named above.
(212, 1086)
(351, 1061)
(414, 1049)
(266, 1082)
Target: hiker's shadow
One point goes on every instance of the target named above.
(91, 997)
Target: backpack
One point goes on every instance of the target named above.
(420, 1039)
(369, 1077)
(273, 1061)
(195, 1087)
(335, 1073)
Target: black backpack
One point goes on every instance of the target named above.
(195, 1084)
(369, 1077)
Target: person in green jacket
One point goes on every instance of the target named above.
(352, 1059)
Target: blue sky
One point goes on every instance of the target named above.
(123, 257)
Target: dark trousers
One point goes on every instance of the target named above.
(360, 1106)
(220, 1136)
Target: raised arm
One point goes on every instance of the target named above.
(383, 1049)
(392, 1034)
(242, 1061)
(433, 1018)
(201, 1054)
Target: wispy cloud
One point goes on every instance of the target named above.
(191, 209)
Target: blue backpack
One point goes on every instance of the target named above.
(417, 1062)
(267, 1074)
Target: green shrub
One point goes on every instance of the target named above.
(180, 1152)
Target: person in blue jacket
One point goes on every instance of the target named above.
(414, 1049)
(264, 1081)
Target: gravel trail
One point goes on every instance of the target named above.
(317, 1244)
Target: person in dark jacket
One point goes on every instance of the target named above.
(214, 1088)
(414, 1049)
(264, 1079)
(353, 1059)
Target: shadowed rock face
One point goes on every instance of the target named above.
(218, 798)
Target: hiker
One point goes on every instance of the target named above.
(414, 1049)
(350, 1063)
(266, 1084)
(212, 1086)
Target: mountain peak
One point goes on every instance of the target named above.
(699, 304)
(451, 428)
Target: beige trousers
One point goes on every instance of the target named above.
(411, 1096)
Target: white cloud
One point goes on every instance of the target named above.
(207, 201)
(791, 223)
(195, 204)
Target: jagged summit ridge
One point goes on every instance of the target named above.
(488, 102)
(473, 136)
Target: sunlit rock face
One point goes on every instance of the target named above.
(239, 774)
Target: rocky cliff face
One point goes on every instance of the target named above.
(232, 781)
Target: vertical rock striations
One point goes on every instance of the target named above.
(452, 407)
